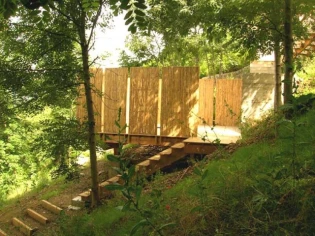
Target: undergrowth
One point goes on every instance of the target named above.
(266, 187)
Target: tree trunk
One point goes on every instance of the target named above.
(278, 89)
(90, 111)
(288, 52)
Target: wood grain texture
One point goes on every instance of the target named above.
(96, 86)
(81, 112)
(179, 108)
(206, 101)
(228, 102)
(144, 88)
(115, 96)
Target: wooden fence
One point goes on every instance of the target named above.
(170, 102)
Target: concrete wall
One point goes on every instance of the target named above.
(258, 89)
(258, 95)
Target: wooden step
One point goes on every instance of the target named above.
(51, 207)
(2, 233)
(178, 149)
(77, 202)
(166, 157)
(145, 166)
(25, 229)
(46, 213)
(115, 179)
(86, 196)
(166, 153)
(159, 161)
(178, 146)
(156, 162)
(36, 216)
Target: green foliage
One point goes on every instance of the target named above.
(306, 76)
(19, 165)
(177, 37)
(135, 15)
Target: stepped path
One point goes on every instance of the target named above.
(30, 220)
(29, 216)
(208, 140)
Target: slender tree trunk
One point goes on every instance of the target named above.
(288, 52)
(221, 62)
(90, 111)
(278, 88)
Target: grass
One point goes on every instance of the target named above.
(266, 187)
(51, 188)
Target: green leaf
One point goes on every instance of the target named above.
(128, 14)
(138, 193)
(132, 28)
(140, 5)
(129, 21)
(126, 193)
(131, 171)
(139, 12)
(141, 223)
(197, 171)
(140, 19)
(114, 187)
(126, 207)
(118, 170)
(124, 5)
(117, 124)
(166, 225)
(113, 158)
(113, 2)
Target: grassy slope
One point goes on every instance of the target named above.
(265, 188)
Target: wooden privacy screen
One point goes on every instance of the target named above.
(228, 101)
(206, 106)
(115, 95)
(179, 107)
(179, 99)
(144, 89)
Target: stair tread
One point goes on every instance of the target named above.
(85, 194)
(37, 216)
(2, 233)
(144, 163)
(155, 158)
(51, 207)
(103, 184)
(23, 227)
(166, 152)
(114, 179)
(178, 145)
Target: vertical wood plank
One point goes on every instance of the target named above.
(206, 106)
(228, 102)
(179, 108)
(144, 88)
(115, 96)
